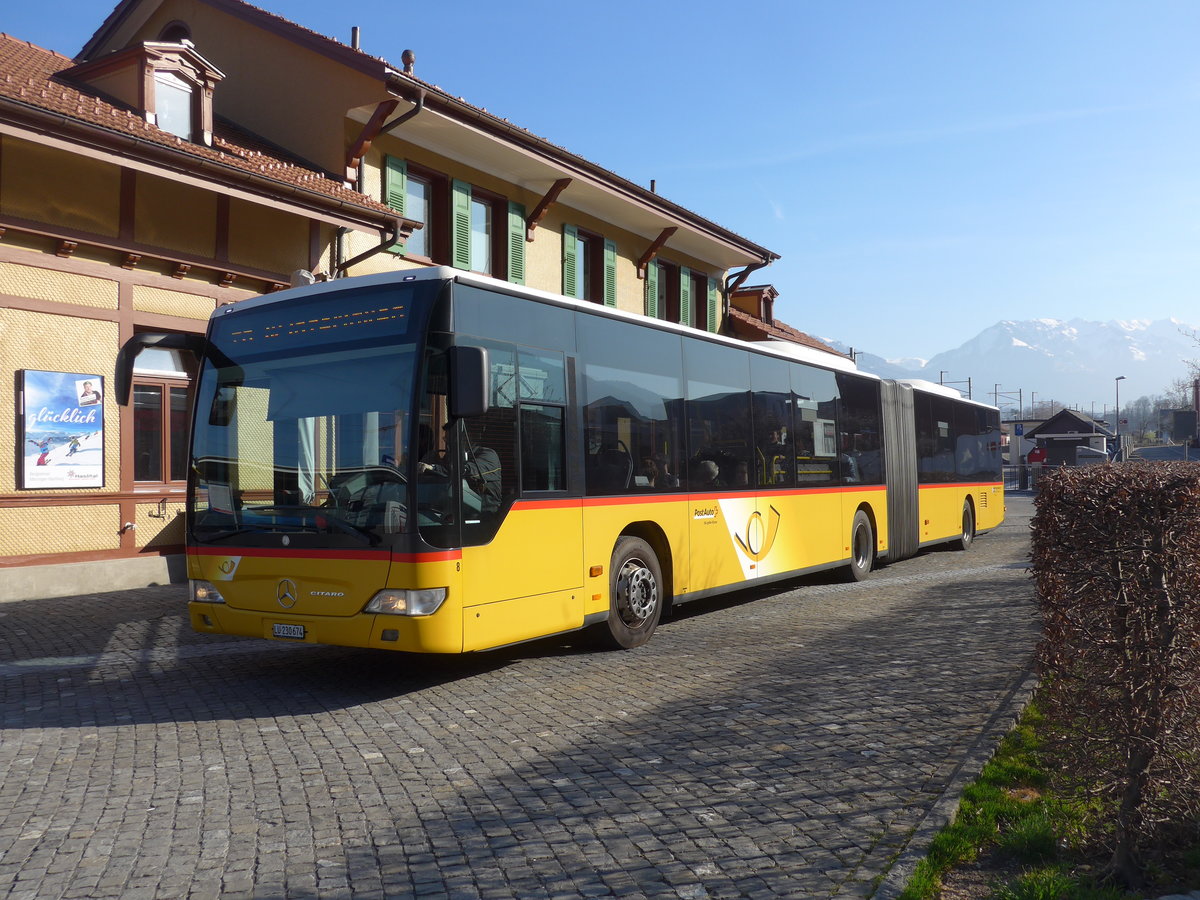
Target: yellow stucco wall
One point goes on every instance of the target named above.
(159, 526)
(35, 283)
(299, 97)
(544, 254)
(266, 238)
(172, 303)
(57, 344)
(27, 531)
(175, 216)
(43, 184)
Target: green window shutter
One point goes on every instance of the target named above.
(516, 242)
(610, 273)
(395, 181)
(714, 300)
(652, 289)
(395, 175)
(570, 251)
(685, 295)
(460, 230)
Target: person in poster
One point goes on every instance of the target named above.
(88, 395)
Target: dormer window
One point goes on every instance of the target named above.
(171, 85)
(173, 104)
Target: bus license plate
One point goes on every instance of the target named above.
(287, 631)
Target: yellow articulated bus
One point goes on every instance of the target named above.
(439, 462)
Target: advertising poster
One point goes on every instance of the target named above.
(62, 430)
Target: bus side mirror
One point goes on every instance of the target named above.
(194, 343)
(469, 387)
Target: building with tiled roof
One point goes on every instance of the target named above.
(197, 152)
(751, 317)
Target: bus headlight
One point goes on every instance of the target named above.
(205, 592)
(394, 602)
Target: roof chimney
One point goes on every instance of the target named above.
(408, 58)
(354, 38)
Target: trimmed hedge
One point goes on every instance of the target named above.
(1116, 561)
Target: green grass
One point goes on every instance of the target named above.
(1053, 883)
(1012, 811)
(1007, 808)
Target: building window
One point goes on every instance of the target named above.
(173, 109)
(579, 265)
(160, 431)
(668, 291)
(161, 415)
(418, 192)
(176, 32)
(480, 250)
(700, 310)
(487, 233)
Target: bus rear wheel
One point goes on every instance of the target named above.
(636, 595)
(968, 527)
(862, 548)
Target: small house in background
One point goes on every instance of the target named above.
(751, 317)
(1177, 426)
(1071, 438)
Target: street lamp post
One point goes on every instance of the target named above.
(1117, 414)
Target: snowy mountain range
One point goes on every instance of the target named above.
(1075, 363)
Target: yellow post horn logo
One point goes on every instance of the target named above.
(754, 529)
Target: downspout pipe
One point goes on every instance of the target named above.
(405, 116)
(733, 281)
(394, 237)
(389, 242)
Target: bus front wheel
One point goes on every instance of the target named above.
(862, 547)
(636, 595)
(968, 527)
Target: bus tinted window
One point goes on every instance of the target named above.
(860, 447)
(774, 450)
(632, 406)
(516, 319)
(816, 441)
(718, 416)
(956, 441)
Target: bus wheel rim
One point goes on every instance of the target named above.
(638, 592)
(861, 552)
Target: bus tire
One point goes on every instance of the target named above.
(967, 537)
(862, 548)
(635, 595)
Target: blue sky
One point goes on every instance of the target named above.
(924, 169)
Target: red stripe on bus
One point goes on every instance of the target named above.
(432, 556)
(727, 495)
(959, 484)
(572, 503)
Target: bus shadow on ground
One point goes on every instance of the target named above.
(131, 656)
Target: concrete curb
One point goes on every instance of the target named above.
(943, 810)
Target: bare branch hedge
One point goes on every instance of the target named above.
(1116, 561)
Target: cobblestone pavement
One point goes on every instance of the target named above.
(783, 743)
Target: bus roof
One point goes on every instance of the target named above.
(783, 349)
(929, 387)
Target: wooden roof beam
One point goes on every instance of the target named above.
(652, 250)
(368, 134)
(531, 222)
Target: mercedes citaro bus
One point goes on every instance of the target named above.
(440, 462)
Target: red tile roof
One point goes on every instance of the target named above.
(777, 330)
(459, 106)
(29, 76)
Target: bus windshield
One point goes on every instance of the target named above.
(301, 424)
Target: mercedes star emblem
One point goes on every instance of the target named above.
(286, 593)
